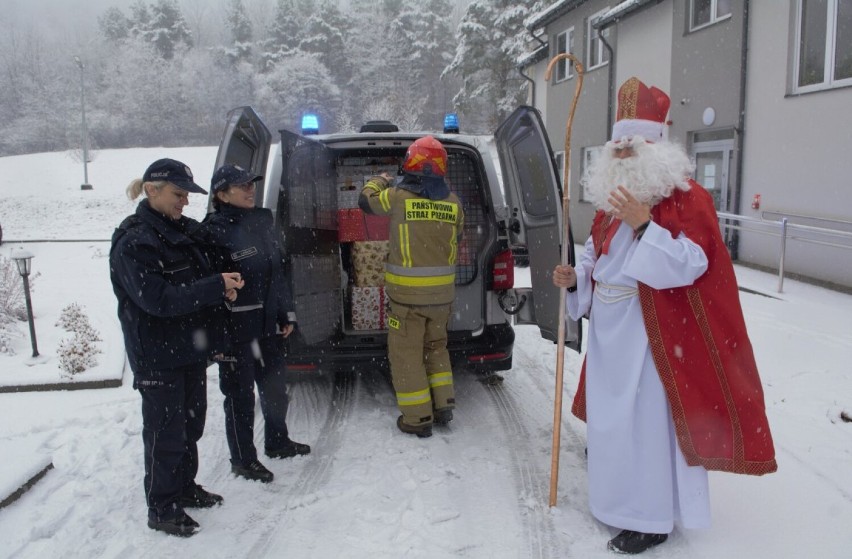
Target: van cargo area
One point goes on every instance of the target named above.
(350, 266)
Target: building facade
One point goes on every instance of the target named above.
(760, 95)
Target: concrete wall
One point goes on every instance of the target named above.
(706, 72)
(797, 149)
(589, 127)
(645, 47)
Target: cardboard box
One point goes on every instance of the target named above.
(369, 308)
(353, 225)
(368, 262)
(347, 198)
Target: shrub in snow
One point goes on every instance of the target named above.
(12, 302)
(77, 353)
(6, 340)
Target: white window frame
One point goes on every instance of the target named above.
(714, 17)
(564, 68)
(590, 153)
(602, 58)
(828, 81)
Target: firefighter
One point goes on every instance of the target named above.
(426, 222)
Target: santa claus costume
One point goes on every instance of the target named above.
(669, 386)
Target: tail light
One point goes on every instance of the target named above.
(503, 271)
(302, 367)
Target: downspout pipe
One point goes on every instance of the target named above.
(623, 10)
(610, 94)
(734, 243)
(532, 84)
(526, 77)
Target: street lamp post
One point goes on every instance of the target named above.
(85, 185)
(23, 259)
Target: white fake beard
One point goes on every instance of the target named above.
(651, 174)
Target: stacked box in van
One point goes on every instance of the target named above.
(365, 239)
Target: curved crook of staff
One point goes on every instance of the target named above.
(566, 198)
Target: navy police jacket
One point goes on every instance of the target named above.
(170, 301)
(244, 241)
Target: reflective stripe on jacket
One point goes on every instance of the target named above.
(424, 234)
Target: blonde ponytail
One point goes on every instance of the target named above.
(134, 189)
(137, 187)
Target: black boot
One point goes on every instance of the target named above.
(290, 449)
(631, 543)
(181, 525)
(443, 416)
(197, 497)
(422, 431)
(254, 471)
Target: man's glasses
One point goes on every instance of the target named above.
(246, 187)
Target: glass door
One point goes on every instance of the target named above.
(712, 169)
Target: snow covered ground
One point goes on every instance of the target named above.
(477, 489)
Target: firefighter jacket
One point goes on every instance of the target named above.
(170, 301)
(424, 236)
(244, 241)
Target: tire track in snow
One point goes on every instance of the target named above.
(267, 506)
(537, 522)
(318, 467)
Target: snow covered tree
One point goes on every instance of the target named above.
(140, 21)
(491, 38)
(326, 34)
(114, 25)
(168, 28)
(376, 62)
(286, 31)
(241, 31)
(425, 45)
(293, 86)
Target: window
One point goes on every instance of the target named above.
(823, 44)
(598, 55)
(590, 155)
(564, 43)
(707, 12)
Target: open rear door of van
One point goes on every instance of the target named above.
(246, 143)
(306, 216)
(534, 196)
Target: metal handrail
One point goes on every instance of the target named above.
(785, 230)
(766, 213)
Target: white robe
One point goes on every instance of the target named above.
(638, 477)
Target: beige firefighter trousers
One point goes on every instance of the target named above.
(419, 360)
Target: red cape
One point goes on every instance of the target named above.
(701, 349)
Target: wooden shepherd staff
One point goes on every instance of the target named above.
(560, 340)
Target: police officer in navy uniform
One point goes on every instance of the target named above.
(170, 305)
(242, 238)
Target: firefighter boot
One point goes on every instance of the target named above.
(443, 416)
(422, 431)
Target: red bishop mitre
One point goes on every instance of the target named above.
(641, 112)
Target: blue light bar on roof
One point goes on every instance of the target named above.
(451, 123)
(310, 124)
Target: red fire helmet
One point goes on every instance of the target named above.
(426, 157)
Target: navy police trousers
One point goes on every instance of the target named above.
(174, 407)
(261, 362)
